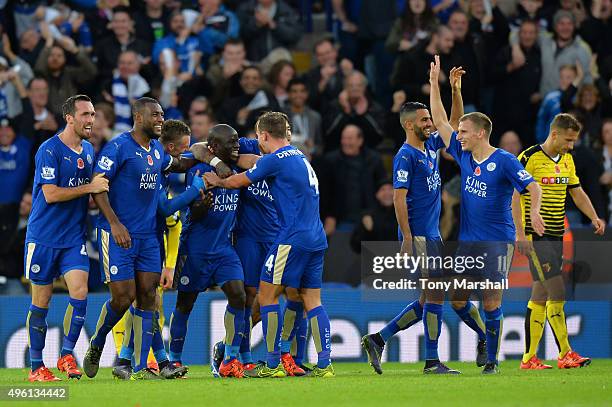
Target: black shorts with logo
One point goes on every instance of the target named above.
(546, 259)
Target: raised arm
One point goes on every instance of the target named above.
(457, 106)
(438, 113)
(582, 201)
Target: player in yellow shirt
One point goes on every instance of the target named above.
(553, 168)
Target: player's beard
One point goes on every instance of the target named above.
(150, 133)
(420, 133)
(83, 134)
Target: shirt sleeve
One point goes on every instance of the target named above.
(248, 146)
(47, 167)
(518, 176)
(109, 160)
(435, 141)
(166, 161)
(574, 181)
(266, 166)
(454, 147)
(402, 171)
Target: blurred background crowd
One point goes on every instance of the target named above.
(340, 69)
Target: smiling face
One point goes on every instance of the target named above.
(226, 146)
(152, 120)
(468, 135)
(422, 124)
(83, 119)
(326, 53)
(250, 81)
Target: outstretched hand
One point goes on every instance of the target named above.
(434, 71)
(455, 77)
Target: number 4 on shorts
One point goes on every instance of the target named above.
(270, 263)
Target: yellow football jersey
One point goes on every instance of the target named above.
(555, 176)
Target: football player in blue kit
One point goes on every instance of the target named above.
(257, 226)
(127, 231)
(489, 177)
(175, 140)
(207, 258)
(56, 234)
(295, 260)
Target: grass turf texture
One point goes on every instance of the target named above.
(354, 384)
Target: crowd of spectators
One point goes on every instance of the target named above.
(210, 61)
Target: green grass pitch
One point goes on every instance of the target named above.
(355, 385)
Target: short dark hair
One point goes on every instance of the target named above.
(69, 106)
(122, 9)
(233, 41)
(37, 78)
(565, 121)
(139, 105)
(275, 123)
(323, 41)
(251, 67)
(297, 81)
(409, 108)
(220, 131)
(480, 120)
(173, 131)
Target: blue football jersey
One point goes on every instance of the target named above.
(257, 218)
(135, 174)
(417, 171)
(60, 224)
(211, 235)
(486, 193)
(295, 188)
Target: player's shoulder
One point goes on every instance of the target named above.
(525, 155)
(49, 146)
(202, 167)
(248, 145)
(404, 153)
(505, 156)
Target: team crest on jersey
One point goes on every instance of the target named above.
(80, 163)
(432, 154)
(150, 159)
(184, 280)
(89, 159)
(48, 173)
(491, 166)
(105, 163)
(477, 171)
(157, 154)
(114, 270)
(402, 176)
(557, 169)
(35, 268)
(523, 175)
(546, 267)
